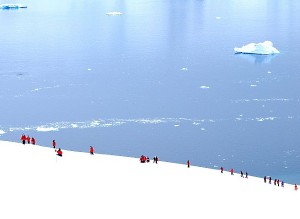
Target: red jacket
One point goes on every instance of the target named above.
(32, 140)
(23, 138)
(91, 150)
(59, 152)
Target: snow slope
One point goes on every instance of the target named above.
(35, 183)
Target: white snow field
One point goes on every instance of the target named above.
(35, 184)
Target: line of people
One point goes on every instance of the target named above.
(27, 139)
(59, 152)
(277, 182)
(144, 159)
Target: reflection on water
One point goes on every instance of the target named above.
(257, 59)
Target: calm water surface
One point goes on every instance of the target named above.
(161, 79)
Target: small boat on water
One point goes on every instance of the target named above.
(12, 6)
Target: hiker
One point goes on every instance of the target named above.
(54, 144)
(270, 180)
(33, 140)
(222, 169)
(188, 163)
(278, 182)
(246, 175)
(59, 152)
(91, 150)
(155, 159)
(265, 179)
(231, 171)
(143, 159)
(28, 139)
(275, 181)
(296, 187)
(242, 174)
(23, 139)
(282, 183)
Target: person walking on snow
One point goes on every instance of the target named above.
(222, 169)
(91, 150)
(242, 174)
(54, 144)
(23, 139)
(188, 163)
(28, 139)
(231, 171)
(296, 187)
(59, 152)
(33, 140)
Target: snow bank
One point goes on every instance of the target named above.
(35, 183)
(265, 48)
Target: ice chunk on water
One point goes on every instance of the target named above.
(204, 87)
(265, 48)
(113, 13)
(12, 6)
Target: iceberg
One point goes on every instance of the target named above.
(114, 13)
(265, 48)
(12, 6)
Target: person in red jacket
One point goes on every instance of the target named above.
(28, 139)
(59, 152)
(296, 187)
(231, 171)
(188, 163)
(54, 144)
(91, 150)
(33, 140)
(23, 139)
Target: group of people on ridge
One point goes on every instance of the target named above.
(144, 159)
(59, 152)
(29, 140)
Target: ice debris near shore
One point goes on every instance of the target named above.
(12, 6)
(265, 48)
(113, 13)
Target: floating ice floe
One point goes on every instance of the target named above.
(12, 6)
(204, 87)
(265, 48)
(113, 13)
(46, 129)
(184, 69)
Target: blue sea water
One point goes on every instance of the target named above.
(160, 79)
